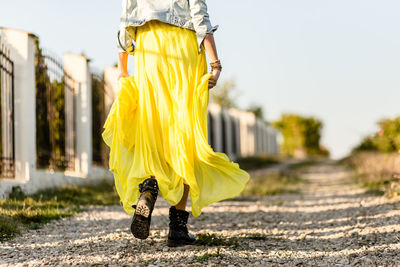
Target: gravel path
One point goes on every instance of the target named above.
(331, 223)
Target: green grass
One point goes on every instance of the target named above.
(374, 186)
(302, 165)
(208, 256)
(252, 163)
(215, 240)
(19, 212)
(377, 188)
(255, 237)
(284, 182)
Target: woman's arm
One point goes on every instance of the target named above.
(123, 65)
(204, 32)
(209, 45)
(211, 49)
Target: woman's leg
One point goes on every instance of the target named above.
(178, 234)
(182, 204)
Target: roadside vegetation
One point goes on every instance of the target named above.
(301, 135)
(208, 256)
(378, 172)
(286, 181)
(19, 212)
(376, 160)
(273, 184)
(252, 163)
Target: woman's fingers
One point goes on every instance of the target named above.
(211, 83)
(214, 78)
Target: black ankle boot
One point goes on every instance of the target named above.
(140, 225)
(178, 234)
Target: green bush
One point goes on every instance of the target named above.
(301, 134)
(387, 139)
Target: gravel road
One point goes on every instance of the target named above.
(332, 222)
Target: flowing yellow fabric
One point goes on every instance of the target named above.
(157, 125)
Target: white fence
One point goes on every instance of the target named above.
(234, 132)
(23, 51)
(240, 134)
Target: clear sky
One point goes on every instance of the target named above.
(336, 60)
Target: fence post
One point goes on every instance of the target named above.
(78, 68)
(215, 112)
(111, 86)
(22, 52)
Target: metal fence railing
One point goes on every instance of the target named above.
(98, 118)
(7, 131)
(55, 114)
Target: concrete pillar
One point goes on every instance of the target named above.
(258, 136)
(266, 135)
(247, 135)
(22, 52)
(77, 67)
(227, 139)
(269, 143)
(273, 141)
(251, 125)
(243, 134)
(110, 86)
(209, 129)
(277, 141)
(215, 112)
(237, 129)
(235, 117)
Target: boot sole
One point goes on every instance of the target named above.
(142, 208)
(140, 223)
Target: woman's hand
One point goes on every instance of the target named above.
(214, 78)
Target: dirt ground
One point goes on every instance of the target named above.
(332, 222)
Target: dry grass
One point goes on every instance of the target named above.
(378, 172)
(252, 163)
(287, 181)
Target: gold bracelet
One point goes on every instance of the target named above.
(216, 65)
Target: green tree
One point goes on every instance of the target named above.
(312, 135)
(257, 110)
(300, 134)
(367, 144)
(387, 139)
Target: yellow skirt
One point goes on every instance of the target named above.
(157, 125)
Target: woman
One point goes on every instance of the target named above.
(157, 126)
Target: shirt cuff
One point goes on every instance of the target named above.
(125, 43)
